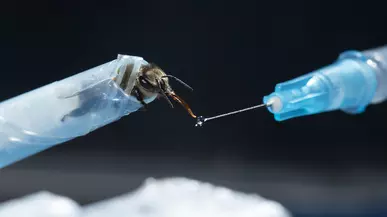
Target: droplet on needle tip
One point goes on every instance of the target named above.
(200, 121)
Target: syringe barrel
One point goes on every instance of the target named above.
(37, 120)
(355, 80)
(377, 59)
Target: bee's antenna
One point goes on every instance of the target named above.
(180, 81)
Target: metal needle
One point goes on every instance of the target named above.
(201, 120)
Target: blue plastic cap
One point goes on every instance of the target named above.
(349, 84)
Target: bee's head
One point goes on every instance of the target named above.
(153, 81)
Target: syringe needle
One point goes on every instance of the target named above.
(201, 120)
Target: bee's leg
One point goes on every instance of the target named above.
(64, 117)
(71, 114)
(75, 113)
(140, 98)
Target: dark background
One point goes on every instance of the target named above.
(232, 53)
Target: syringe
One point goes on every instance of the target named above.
(350, 84)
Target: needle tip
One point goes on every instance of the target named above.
(200, 121)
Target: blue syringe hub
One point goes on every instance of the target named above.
(349, 84)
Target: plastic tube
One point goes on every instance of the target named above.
(354, 81)
(39, 119)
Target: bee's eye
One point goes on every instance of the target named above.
(145, 83)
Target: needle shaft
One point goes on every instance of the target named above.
(234, 112)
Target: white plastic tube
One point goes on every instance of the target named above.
(39, 119)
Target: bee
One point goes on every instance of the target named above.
(151, 82)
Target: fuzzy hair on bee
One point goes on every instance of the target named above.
(153, 82)
(149, 83)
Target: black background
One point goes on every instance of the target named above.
(232, 53)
